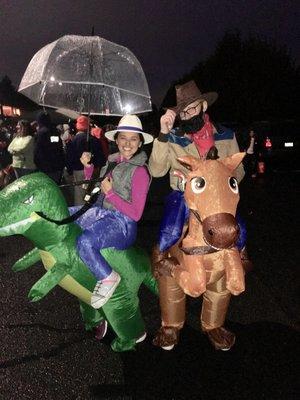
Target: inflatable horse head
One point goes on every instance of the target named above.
(212, 195)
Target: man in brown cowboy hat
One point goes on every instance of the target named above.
(194, 135)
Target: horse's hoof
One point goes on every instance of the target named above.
(166, 337)
(221, 338)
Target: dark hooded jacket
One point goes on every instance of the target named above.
(48, 152)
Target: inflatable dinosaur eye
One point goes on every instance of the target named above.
(233, 184)
(198, 185)
(29, 200)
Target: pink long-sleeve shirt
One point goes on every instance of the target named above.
(139, 190)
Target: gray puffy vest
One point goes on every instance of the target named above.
(122, 175)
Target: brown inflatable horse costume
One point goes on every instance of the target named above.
(205, 260)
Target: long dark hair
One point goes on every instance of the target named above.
(25, 128)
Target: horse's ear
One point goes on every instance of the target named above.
(182, 177)
(232, 162)
(212, 154)
(179, 174)
(189, 162)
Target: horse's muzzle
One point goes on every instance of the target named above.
(220, 230)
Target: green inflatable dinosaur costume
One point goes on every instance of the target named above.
(55, 245)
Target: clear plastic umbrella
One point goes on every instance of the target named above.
(88, 75)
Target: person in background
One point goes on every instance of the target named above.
(6, 171)
(83, 142)
(22, 149)
(48, 152)
(112, 147)
(112, 221)
(34, 127)
(98, 133)
(250, 161)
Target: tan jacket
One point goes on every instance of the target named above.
(22, 148)
(164, 158)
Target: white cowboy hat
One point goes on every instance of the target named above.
(130, 123)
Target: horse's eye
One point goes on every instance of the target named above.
(198, 185)
(233, 184)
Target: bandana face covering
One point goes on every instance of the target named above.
(204, 138)
(192, 125)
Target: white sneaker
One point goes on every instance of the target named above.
(104, 289)
(101, 330)
(141, 338)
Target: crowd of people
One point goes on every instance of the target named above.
(39, 145)
(185, 129)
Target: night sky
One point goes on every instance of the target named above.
(168, 37)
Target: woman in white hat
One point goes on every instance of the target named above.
(112, 221)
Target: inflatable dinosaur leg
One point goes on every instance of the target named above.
(48, 281)
(126, 321)
(90, 316)
(122, 311)
(150, 281)
(29, 259)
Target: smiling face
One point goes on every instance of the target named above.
(128, 143)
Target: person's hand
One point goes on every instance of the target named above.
(167, 121)
(86, 158)
(106, 185)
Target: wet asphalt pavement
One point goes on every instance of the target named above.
(46, 354)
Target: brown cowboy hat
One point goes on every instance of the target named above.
(189, 92)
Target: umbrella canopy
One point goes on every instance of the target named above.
(88, 75)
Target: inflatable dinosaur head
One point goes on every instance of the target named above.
(23, 199)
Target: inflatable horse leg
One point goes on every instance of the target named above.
(172, 304)
(214, 309)
(192, 278)
(235, 273)
(28, 260)
(48, 281)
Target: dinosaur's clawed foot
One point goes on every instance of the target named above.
(35, 295)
